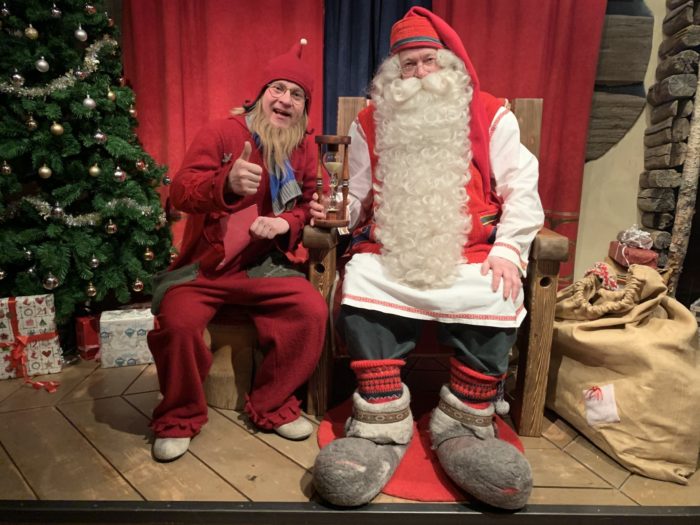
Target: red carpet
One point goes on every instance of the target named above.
(419, 476)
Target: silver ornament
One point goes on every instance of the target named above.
(55, 12)
(28, 254)
(119, 175)
(91, 291)
(5, 12)
(42, 65)
(111, 228)
(80, 34)
(100, 137)
(32, 271)
(89, 102)
(50, 281)
(57, 212)
(94, 262)
(166, 180)
(17, 79)
(6, 169)
(3, 274)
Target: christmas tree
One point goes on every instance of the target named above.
(80, 215)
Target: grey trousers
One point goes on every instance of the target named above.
(369, 334)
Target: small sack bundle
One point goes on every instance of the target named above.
(624, 371)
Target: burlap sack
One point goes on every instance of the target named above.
(629, 355)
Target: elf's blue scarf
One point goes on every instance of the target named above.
(284, 188)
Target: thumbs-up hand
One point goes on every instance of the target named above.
(244, 177)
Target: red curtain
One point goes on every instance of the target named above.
(542, 49)
(192, 61)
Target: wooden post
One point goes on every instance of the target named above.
(685, 206)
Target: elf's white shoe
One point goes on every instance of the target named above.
(295, 430)
(169, 449)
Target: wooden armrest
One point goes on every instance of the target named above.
(550, 246)
(320, 238)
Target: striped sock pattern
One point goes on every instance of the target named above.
(473, 388)
(378, 381)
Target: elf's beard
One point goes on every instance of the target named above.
(277, 143)
(424, 153)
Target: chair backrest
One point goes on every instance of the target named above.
(528, 111)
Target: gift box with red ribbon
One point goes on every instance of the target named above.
(123, 337)
(29, 344)
(628, 255)
(87, 335)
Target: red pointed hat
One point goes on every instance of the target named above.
(422, 28)
(289, 66)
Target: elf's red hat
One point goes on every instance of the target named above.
(422, 27)
(290, 67)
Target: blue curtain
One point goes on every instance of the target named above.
(356, 40)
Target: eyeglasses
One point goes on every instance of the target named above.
(278, 89)
(429, 64)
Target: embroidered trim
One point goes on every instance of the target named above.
(502, 112)
(510, 247)
(464, 417)
(429, 313)
(380, 418)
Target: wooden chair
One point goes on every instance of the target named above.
(535, 336)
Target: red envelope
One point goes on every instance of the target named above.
(235, 230)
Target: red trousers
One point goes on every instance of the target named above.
(290, 317)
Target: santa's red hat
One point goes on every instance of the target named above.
(421, 28)
(289, 66)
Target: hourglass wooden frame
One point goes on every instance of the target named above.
(335, 217)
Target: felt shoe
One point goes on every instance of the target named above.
(352, 470)
(170, 449)
(296, 430)
(482, 465)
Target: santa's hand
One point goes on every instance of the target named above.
(317, 207)
(503, 270)
(268, 227)
(244, 177)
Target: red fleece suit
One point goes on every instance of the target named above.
(288, 313)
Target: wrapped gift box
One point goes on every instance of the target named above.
(29, 344)
(123, 337)
(87, 335)
(627, 255)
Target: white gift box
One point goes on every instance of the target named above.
(123, 337)
(34, 320)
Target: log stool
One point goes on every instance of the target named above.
(233, 340)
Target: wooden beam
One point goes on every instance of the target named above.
(678, 131)
(678, 18)
(624, 50)
(675, 86)
(660, 179)
(685, 38)
(658, 221)
(679, 107)
(684, 62)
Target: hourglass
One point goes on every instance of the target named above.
(333, 158)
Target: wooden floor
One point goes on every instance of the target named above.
(90, 441)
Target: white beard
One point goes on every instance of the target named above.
(424, 153)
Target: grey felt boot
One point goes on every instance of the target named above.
(482, 465)
(352, 470)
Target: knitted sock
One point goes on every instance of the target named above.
(378, 381)
(473, 388)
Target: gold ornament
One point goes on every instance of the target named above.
(56, 129)
(148, 255)
(132, 111)
(94, 170)
(6, 169)
(111, 228)
(31, 123)
(137, 286)
(45, 172)
(31, 33)
(91, 291)
(111, 95)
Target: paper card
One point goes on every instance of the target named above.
(235, 231)
(600, 405)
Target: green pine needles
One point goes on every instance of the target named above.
(80, 214)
